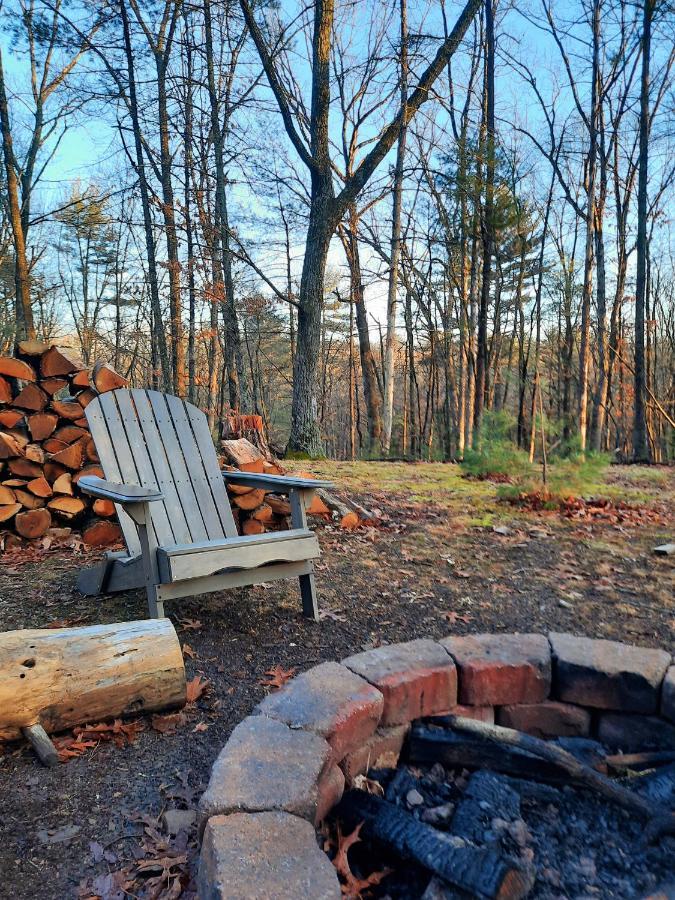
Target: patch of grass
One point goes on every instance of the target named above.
(496, 455)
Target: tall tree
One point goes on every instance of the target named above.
(326, 207)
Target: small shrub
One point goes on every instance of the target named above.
(497, 457)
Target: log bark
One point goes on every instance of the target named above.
(63, 677)
(480, 872)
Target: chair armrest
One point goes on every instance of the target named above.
(280, 484)
(118, 493)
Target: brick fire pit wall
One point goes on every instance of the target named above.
(286, 766)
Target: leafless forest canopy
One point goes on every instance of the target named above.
(383, 226)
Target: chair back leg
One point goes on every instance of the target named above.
(310, 603)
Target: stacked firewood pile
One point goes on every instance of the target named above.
(45, 445)
(257, 511)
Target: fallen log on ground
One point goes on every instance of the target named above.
(478, 871)
(62, 677)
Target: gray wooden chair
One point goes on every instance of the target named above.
(162, 473)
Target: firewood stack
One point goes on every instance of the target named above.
(256, 511)
(46, 447)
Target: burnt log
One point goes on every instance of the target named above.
(472, 869)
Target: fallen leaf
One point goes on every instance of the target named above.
(167, 724)
(455, 617)
(353, 886)
(195, 688)
(190, 625)
(188, 651)
(278, 677)
(201, 726)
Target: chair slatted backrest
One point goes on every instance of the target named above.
(158, 441)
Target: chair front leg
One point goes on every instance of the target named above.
(300, 499)
(140, 513)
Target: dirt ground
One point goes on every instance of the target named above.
(435, 564)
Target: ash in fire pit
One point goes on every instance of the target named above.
(517, 825)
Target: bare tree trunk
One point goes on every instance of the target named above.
(397, 192)
(584, 348)
(640, 443)
(487, 223)
(23, 311)
(234, 360)
(158, 336)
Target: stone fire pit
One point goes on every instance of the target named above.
(286, 766)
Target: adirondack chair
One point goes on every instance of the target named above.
(162, 474)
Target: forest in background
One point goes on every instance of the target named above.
(384, 227)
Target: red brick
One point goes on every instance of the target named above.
(607, 674)
(383, 748)
(632, 734)
(267, 856)
(331, 701)
(264, 766)
(497, 669)
(331, 788)
(480, 713)
(546, 720)
(417, 678)
(668, 695)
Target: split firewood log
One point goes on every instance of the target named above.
(20, 437)
(85, 397)
(7, 495)
(32, 348)
(32, 398)
(59, 361)
(53, 445)
(67, 507)
(40, 487)
(42, 424)
(53, 470)
(10, 418)
(24, 468)
(238, 489)
(263, 513)
(103, 508)
(63, 484)
(28, 500)
(67, 409)
(17, 368)
(9, 446)
(252, 526)
(7, 512)
(279, 505)
(15, 482)
(88, 470)
(5, 391)
(34, 453)
(249, 501)
(102, 534)
(68, 676)
(80, 380)
(105, 378)
(90, 451)
(244, 455)
(72, 456)
(33, 523)
(53, 385)
(70, 433)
